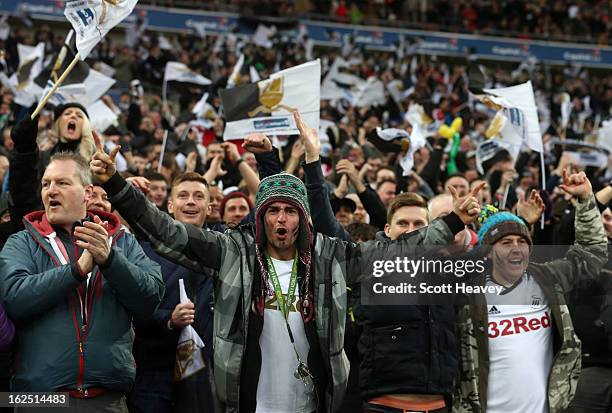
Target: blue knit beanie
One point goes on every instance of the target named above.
(501, 224)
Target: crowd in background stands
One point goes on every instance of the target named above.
(580, 20)
(351, 163)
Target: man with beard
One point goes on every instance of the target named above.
(294, 361)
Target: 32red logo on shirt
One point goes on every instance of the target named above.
(517, 325)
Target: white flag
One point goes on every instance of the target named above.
(566, 109)
(67, 93)
(254, 74)
(267, 106)
(101, 116)
(22, 81)
(508, 126)
(339, 83)
(235, 76)
(189, 359)
(199, 27)
(105, 69)
(262, 36)
(522, 97)
(371, 93)
(204, 110)
(176, 71)
(93, 88)
(92, 19)
(5, 29)
(164, 43)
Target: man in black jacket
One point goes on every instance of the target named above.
(155, 388)
(420, 355)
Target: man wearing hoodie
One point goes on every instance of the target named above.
(280, 306)
(71, 282)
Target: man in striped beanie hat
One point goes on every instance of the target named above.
(283, 232)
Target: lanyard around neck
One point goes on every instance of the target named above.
(285, 306)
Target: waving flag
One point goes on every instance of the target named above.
(267, 106)
(521, 98)
(22, 81)
(179, 72)
(92, 19)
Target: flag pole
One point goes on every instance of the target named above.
(61, 55)
(162, 152)
(505, 198)
(543, 183)
(63, 77)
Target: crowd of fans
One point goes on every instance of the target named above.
(582, 21)
(359, 180)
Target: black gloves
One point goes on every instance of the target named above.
(24, 134)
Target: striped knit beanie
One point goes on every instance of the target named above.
(287, 188)
(282, 187)
(501, 224)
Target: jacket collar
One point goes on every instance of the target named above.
(38, 221)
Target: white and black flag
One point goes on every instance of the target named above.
(267, 106)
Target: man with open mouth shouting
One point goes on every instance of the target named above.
(280, 305)
(519, 352)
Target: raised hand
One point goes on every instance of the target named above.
(530, 209)
(346, 167)
(298, 149)
(215, 170)
(257, 143)
(93, 237)
(232, 151)
(310, 136)
(467, 208)
(103, 165)
(191, 161)
(24, 134)
(577, 185)
(342, 188)
(140, 182)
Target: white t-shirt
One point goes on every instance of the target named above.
(520, 348)
(278, 390)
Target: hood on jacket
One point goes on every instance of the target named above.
(38, 219)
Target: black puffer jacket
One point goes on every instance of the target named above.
(403, 349)
(406, 349)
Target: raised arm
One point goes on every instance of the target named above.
(181, 243)
(587, 257)
(248, 174)
(323, 218)
(24, 172)
(268, 163)
(439, 233)
(369, 198)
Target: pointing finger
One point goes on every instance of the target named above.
(453, 192)
(477, 189)
(97, 141)
(114, 153)
(299, 122)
